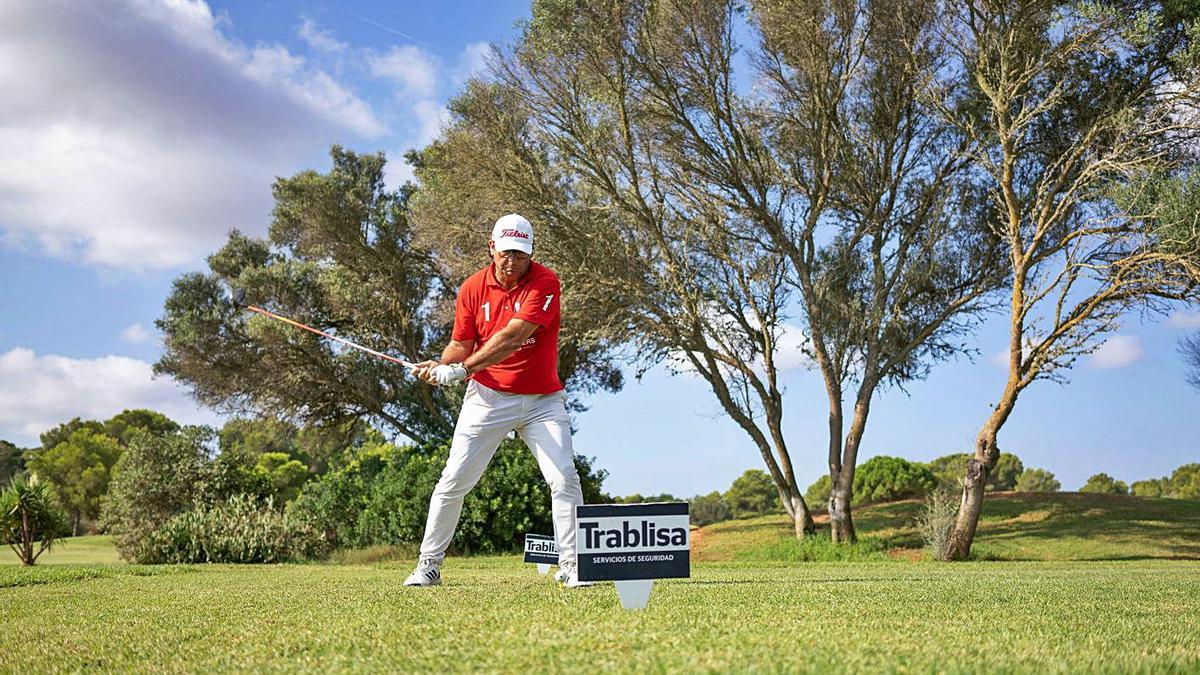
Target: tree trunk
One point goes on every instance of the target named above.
(26, 539)
(841, 523)
(978, 468)
(75, 526)
(801, 516)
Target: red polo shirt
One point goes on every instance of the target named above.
(484, 307)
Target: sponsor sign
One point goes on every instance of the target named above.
(540, 549)
(633, 541)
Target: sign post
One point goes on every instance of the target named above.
(632, 545)
(542, 550)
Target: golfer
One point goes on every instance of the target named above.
(505, 342)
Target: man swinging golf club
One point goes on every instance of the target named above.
(505, 340)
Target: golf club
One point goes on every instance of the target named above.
(239, 300)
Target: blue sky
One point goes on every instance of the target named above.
(136, 133)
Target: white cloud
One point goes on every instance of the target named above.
(1184, 319)
(1117, 352)
(408, 66)
(136, 133)
(136, 334)
(473, 61)
(318, 38)
(40, 392)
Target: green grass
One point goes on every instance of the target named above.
(1013, 526)
(1067, 583)
(93, 550)
(495, 614)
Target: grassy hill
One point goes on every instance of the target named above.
(1014, 526)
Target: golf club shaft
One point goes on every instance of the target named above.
(297, 324)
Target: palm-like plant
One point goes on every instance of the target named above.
(28, 515)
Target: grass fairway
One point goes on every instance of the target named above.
(496, 614)
(93, 550)
(1067, 583)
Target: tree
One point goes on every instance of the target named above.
(692, 219)
(708, 509)
(340, 256)
(12, 461)
(1037, 480)
(948, 469)
(123, 425)
(79, 467)
(1185, 482)
(156, 478)
(62, 432)
(1189, 347)
(1073, 113)
(1104, 484)
(883, 479)
(27, 515)
(286, 475)
(1004, 474)
(1154, 487)
(752, 493)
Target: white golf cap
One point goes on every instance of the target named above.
(513, 232)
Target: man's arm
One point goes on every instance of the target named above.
(499, 347)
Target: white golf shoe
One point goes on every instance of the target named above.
(428, 573)
(568, 573)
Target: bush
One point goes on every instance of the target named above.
(950, 471)
(1154, 487)
(240, 530)
(817, 494)
(753, 493)
(160, 476)
(708, 509)
(1037, 480)
(1103, 483)
(1185, 482)
(936, 521)
(382, 497)
(884, 478)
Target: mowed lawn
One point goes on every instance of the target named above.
(883, 612)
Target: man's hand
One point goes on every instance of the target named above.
(421, 370)
(451, 374)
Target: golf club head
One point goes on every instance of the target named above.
(239, 297)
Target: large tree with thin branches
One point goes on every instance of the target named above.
(1080, 111)
(694, 220)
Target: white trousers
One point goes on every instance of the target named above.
(486, 418)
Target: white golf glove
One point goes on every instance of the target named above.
(450, 374)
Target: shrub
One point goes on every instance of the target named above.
(708, 509)
(1185, 482)
(1154, 487)
(817, 494)
(936, 521)
(886, 478)
(753, 493)
(27, 515)
(382, 497)
(240, 530)
(1103, 483)
(1037, 480)
(951, 469)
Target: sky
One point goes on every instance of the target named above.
(136, 133)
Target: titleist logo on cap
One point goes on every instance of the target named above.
(514, 233)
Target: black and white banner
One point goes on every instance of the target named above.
(541, 549)
(633, 541)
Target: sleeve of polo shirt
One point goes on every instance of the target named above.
(540, 305)
(464, 317)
